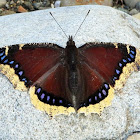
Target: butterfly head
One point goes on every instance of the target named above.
(70, 41)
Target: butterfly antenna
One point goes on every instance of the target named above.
(81, 23)
(58, 24)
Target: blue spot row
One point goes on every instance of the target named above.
(100, 95)
(5, 60)
(49, 99)
(130, 58)
(3, 57)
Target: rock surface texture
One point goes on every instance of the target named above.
(86, 2)
(131, 3)
(19, 119)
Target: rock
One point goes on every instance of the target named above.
(123, 9)
(57, 4)
(6, 12)
(138, 6)
(46, 3)
(20, 9)
(131, 3)
(135, 136)
(7, 5)
(20, 120)
(28, 5)
(36, 5)
(43, 8)
(133, 12)
(52, 5)
(40, 5)
(137, 16)
(86, 2)
(2, 3)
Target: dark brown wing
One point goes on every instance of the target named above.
(101, 67)
(39, 66)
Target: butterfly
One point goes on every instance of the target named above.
(65, 80)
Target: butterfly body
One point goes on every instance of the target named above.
(73, 76)
(63, 80)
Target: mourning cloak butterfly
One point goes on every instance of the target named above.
(62, 80)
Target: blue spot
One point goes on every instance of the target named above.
(25, 80)
(117, 71)
(84, 104)
(106, 86)
(132, 52)
(95, 98)
(1, 53)
(3, 57)
(16, 66)
(38, 90)
(129, 59)
(53, 101)
(120, 64)
(60, 101)
(69, 105)
(42, 96)
(90, 100)
(132, 56)
(20, 73)
(115, 78)
(124, 61)
(11, 62)
(104, 92)
(100, 95)
(5, 61)
(48, 98)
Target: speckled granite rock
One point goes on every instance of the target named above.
(138, 6)
(86, 2)
(2, 3)
(134, 137)
(20, 120)
(133, 12)
(137, 16)
(131, 3)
